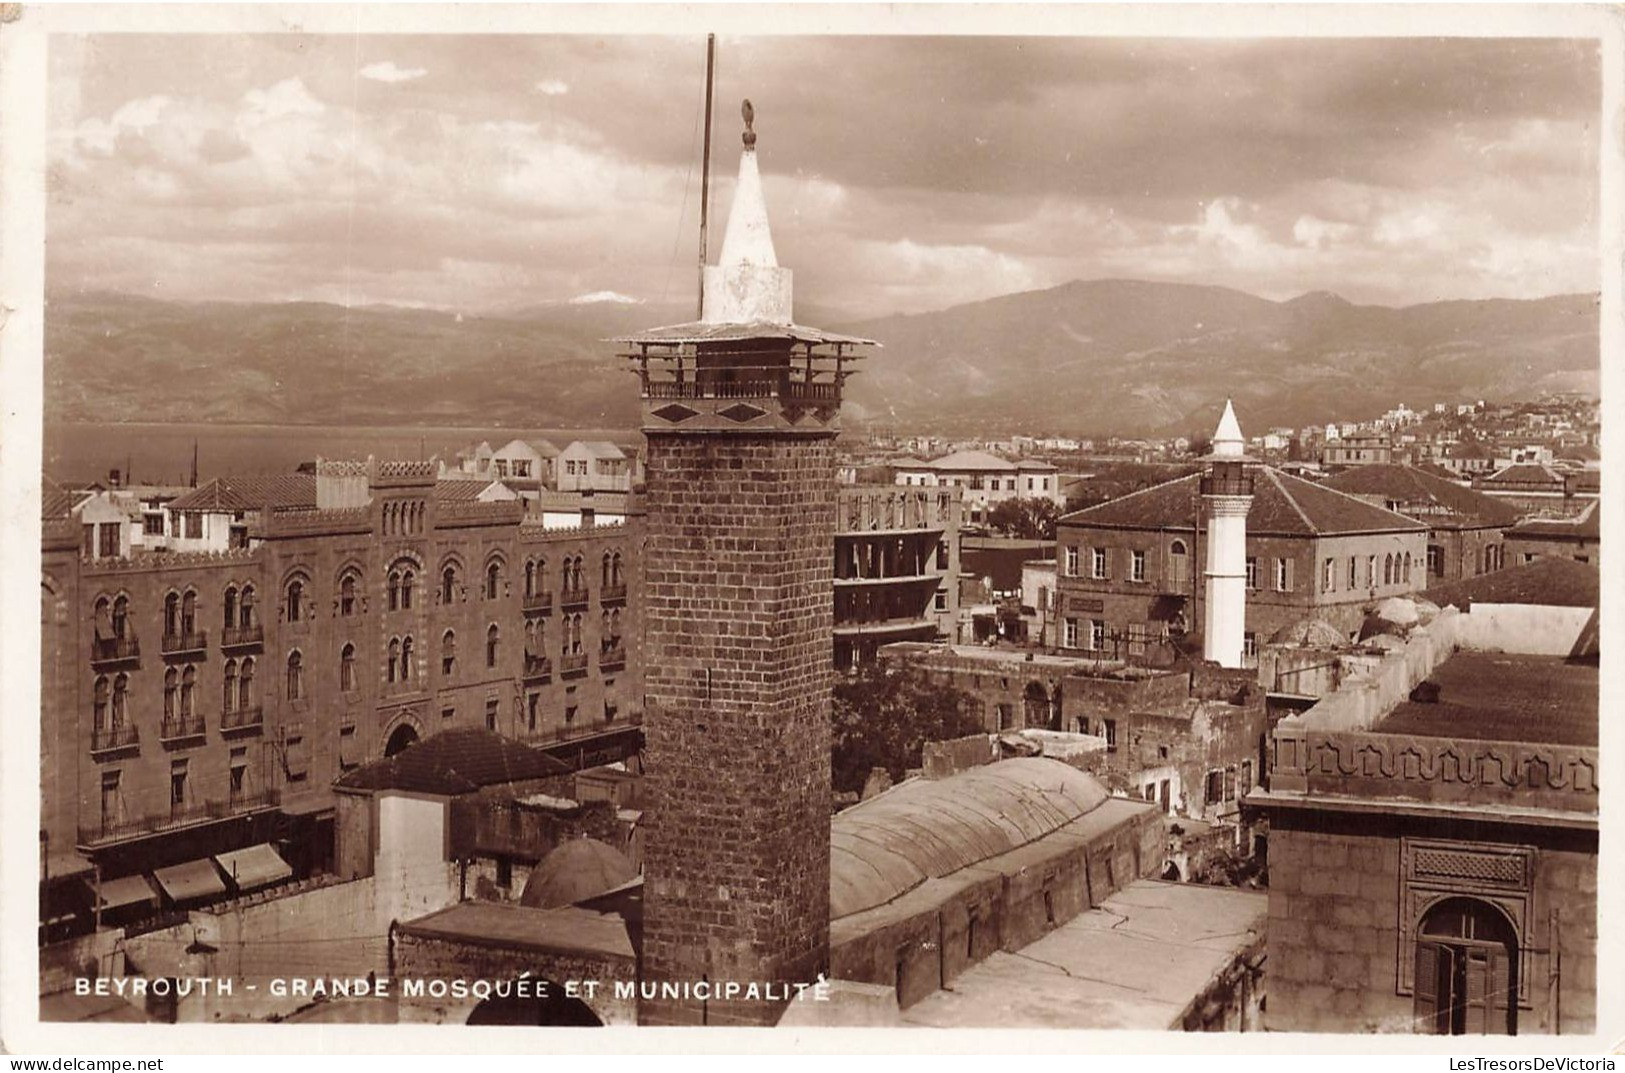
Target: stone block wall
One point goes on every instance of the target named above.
(739, 589)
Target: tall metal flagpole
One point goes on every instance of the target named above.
(705, 167)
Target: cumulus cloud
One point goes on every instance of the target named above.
(387, 71)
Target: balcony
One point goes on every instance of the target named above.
(612, 594)
(537, 668)
(242, 719)
(744, 382)
(185, 644)
(186, 815)
(538, 603)
(111, 651)
(886, 627)
(613, 656)
(573, 664)
(242, 637)
(109, 739)
(573, 597)
(180, 727)
(1226, 485)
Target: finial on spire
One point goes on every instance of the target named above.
(750, 116)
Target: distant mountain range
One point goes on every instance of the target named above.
(1086, 358)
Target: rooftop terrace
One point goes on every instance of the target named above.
(1492, 696)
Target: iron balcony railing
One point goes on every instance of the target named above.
(539, 601)
(193, 641)
(573, 597)
(537, 667)
(106, 739)
(178, 727)
(612, 593)
(573, 664)
(242, 718)
(613, 656)
(179, 816)
(242, 636)
(115, 650)
(1227, 486)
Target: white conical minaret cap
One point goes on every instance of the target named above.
(746, 285)
(1227, 439)
(749, 240)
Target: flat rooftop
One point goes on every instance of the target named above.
(1493, 696)
(1136, 961)
(565, 930)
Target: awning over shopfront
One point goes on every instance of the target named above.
(194, 879)
(126, 890)
(254, 867)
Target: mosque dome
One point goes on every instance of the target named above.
(575, 871)
(1310, 633)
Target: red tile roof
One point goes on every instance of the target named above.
(455, 762)
(1439, 502)
(1550, 582)
(225, 494)
(1283, 505)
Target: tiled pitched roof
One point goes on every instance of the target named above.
(1585, 526)
(599, 448)
(453, 489)
(1471, 450)
(55, 500)
(1524, 473)
(1407, 485)
(1494, 696)
(455, 762)
(967, 461)
(1552, 582)
(1283, 505)
(250, 493)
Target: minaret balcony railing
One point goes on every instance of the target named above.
(1227, 486)
(744, 383)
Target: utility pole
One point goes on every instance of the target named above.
(705, 164)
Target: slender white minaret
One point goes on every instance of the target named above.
(1227, 493)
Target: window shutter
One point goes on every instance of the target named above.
(1289, 564)
(1426, 1005)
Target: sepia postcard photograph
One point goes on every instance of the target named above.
(1079, 520)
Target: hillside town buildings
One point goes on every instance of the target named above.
(984, 479)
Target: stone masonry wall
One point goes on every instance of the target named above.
(739, 586)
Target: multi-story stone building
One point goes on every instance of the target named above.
(896, 567)
(1358, 449)
(986, 480)
(198, 702)
(1129, 570)
(1465, 528)
(1578, 538)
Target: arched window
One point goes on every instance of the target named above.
(296, 675)
(604, 640)
(347, 668)
(394, 590)
(189, 613)
(406, 658)
(188, 692)
(1466, 970)
(1178, 566)
(448, 581)
(99, 708)
(394, 659)
(615, 625)
(296, 600)
(1387, 569)
(448, 653)
(347, 594)
(1406, 570)
(172, 681)
(245, 685)
(530, 578)
(121, 616)
(615, 569)
(493, 577)
(228, 692)
(493, 643)
(530, 636)
(575, 634)
(230, 605)
(245, 609)
(407, 578)
(604, 573)
(121, 699)
(172, 615)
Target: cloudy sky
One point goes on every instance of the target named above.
(903, 174)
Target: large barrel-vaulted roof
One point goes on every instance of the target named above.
(923, 828)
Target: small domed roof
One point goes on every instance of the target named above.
(1310, 633)
(575, 871)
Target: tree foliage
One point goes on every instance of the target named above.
(884, 715)
(1030, 518)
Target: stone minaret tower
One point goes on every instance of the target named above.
(740, 413)
(1227, 493)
